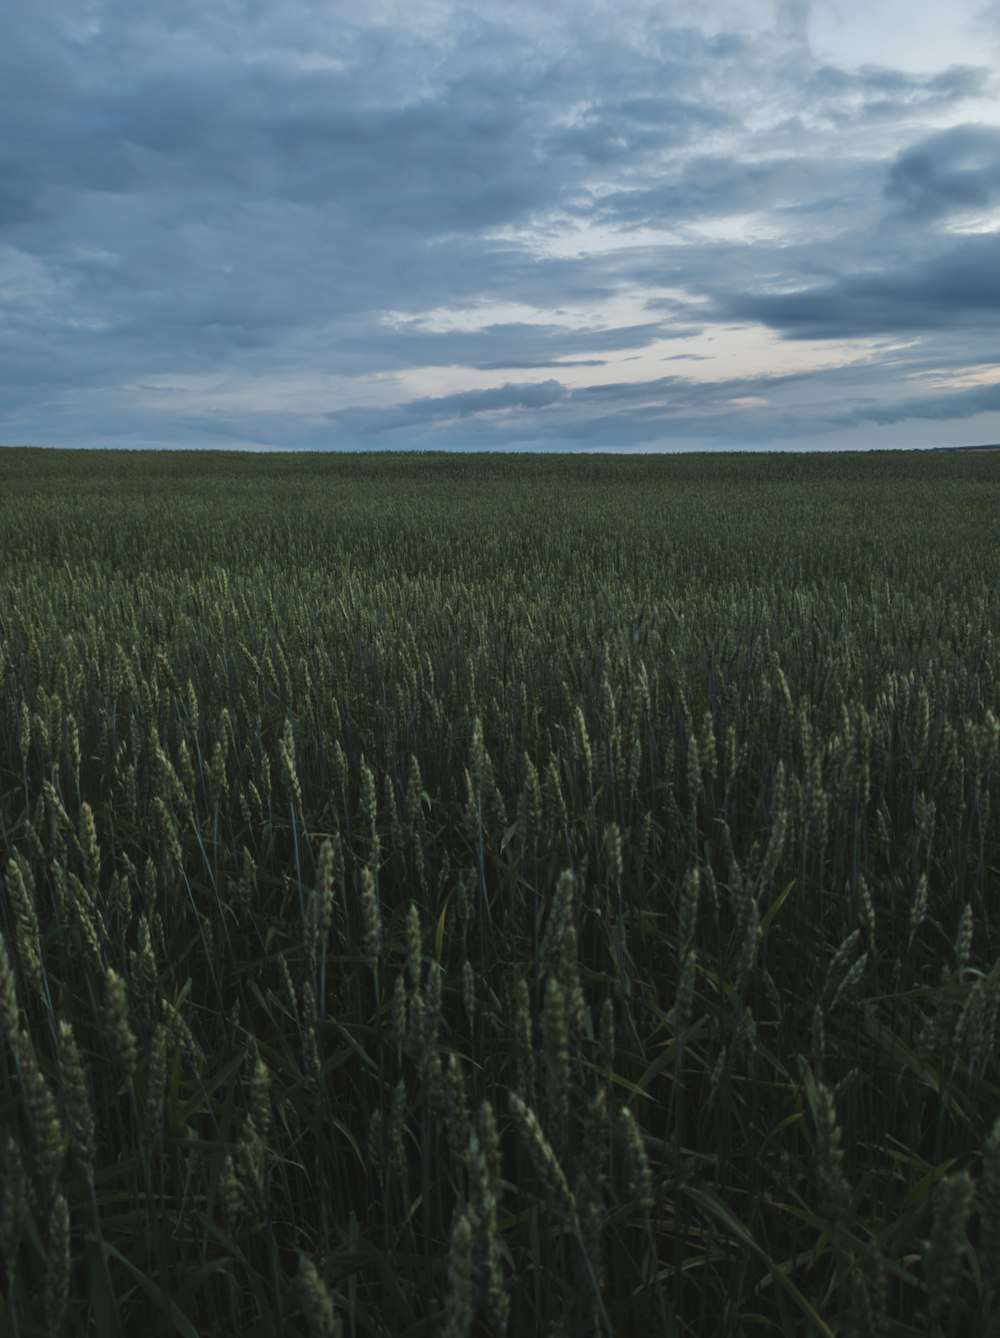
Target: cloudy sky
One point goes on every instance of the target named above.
(501, 224)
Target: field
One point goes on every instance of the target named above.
(477, 895)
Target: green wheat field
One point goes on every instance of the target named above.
(482, 895)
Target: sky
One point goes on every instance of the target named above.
(640, 225)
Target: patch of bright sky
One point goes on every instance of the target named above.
(749, 227)
(719, 354)
(620, 310)
(981, 374)
(305, 62)
(722, 353)
(417, 383)
(447, 320)
(976, 223)
(26, 282)
(913, 35)
(567, 239)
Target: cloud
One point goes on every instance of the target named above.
(677, 412)
(511, 364)
(880, 94)
(414, 415)
(988, 17)
(704, 187)
(525, 395)
(262, 211)
(957, 404)
(505, 344)
(957, 287)
(793, 21)
(953, 170)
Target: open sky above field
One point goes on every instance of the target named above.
(640, 225)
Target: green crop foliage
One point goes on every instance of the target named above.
(490, 894)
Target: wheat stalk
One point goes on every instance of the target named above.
(47, 1130)
(57, 1266)
(952, 1204)
(463, 1294)
(317, 1302)
(80, 1121)
(118, 1028)
(10, 1013)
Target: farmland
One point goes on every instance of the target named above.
(505, 894)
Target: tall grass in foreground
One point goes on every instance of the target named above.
(483, 896)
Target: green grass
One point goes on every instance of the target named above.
(453, 894)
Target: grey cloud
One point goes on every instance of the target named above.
(482, 142)
(956, 404)
(956, 287)
(436, 347)
(619, 133)
(877, 93)
(467, 404)
(709, 186)
(793, 20)
(527, 395)
(955, 169)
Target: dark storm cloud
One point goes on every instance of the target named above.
(948, 172)
(955, 287)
